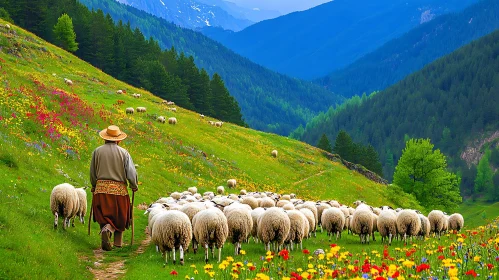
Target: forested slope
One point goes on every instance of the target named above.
(451, 101)
(413, 50)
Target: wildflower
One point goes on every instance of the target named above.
(490, 266)
(472, 272)
(422, 267)
(477, 258)
(242, 252)
(306, 252)
(174, 273)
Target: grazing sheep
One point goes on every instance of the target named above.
(172, 230)
(387, 225)
(255, 215)
(219, 124)
(240, 225)
(311, 206)
(334, 203)
(119, 91)
(289, 206)
(136, 95)
(129, 110)
(298, 228)
(210, 230)
(310, 218)
(173, 109)
(141, 109)
(333, 221)
(425, 226)
(68, 82)
(362, 222)
(231, 183)
(286, 197)
(251, 201)
(273, 227)
(172, 120)
(220, 190)
(266, 202)
(437, 222)
(321, 207)
(274, 153)
(82, 207)
(446, 223)
(201, 116)
(192, 190)
(456, 222)
(191, 209)
(54, 74)
(408, 224)
(170, 103)
(211, 122)
(242, 192)
(64, 202)
(161, 119)
(7, 26)
(281, 203)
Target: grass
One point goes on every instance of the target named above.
(49, 129)
(479, 213)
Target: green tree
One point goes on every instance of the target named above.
(65, 33)
(371, 160)
(324, 144)
(484, 177)
(344, 146)
(422, 171)
(5, 15)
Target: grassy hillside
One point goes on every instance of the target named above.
(49, 129)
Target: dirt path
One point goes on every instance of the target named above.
(115, 269)
(303, 180)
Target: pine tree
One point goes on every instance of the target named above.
(65, 34)
(324, 144)
(344, 146)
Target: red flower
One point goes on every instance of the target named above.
(422, 267)
(490, 266)
(252, 268)
(333, 245)
(395, 275)
(284, 254)
(472, 273)
(441, 257)
(306, 252)
(440, 249)
(380, 278)
(173, 272)
(385, 254)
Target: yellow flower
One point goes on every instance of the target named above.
(187, 277)
(299, 270)
(321, 256)
(211, 273)
(261, 276)
(476, 258)
(453, 272)
(310, 265)
(234, 275)
(305, 275)
(242, 252)
(196, 272)
(230, 259)
(408, 263)
(208, 266)
(250, 264)
(193, 266)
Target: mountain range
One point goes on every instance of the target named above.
(189, 13)
(253, 14)
(413, 50)
(315, 42)
(269, 101)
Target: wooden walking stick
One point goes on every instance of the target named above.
(91, 213)
(131, 218)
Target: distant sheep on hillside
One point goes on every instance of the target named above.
(274, 153)
(129, 110)
(172, 120)
(141, 109)
(161, 119)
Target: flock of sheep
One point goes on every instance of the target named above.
(209, 220)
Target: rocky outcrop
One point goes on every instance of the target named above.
(473, 152)
(357, 167)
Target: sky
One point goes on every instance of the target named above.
(283, 6)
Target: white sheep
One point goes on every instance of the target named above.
(255, 215)
(68, 82)
(141, 109)
(251, 201)
(273, 227)
(219, 124)
(387, 225)
(7, 26)
(210, 230)
(136, 95)
(298, 228)
(64, 202)
(408, 224)
(289, 206)
(231, 183)
(362, 222)
(425, 226)
(82, 207)
(201, 116)
(274, 153)
(333, 221)
(170, 103)
(266, 202)
(456, 222)
(320, 208)
(192, 190)
(311, 206)
(240, 224)
(437, 222)
(220, 190)
(172, 120)
(310, 218)
(161, 119)
(119, 91)
(243, 192)
(173, 109)
(129, 110)
(172, 230)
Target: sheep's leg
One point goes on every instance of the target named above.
(368, 239)
(206, 252)
(236, 251)
(181, 255)
(195, 246)
(390, 239)
(213, 251)
(321, 229)
(219, 254)
(337, 235)
(166, 257)
(174, 260)
(157, 248)
(56, 220)
(374, 237)
(82, 219)
(66, 223)
(292, 246)
(73, 222)
(301, 245)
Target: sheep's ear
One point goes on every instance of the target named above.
(166, 205)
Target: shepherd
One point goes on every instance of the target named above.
(110, 169)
